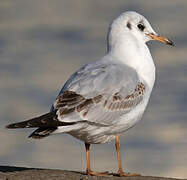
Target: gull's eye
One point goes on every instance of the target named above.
(141, 27)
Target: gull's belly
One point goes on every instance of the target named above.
(93, 135)
(97, 135)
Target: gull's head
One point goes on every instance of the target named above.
(133, 26)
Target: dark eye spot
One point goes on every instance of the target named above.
(129, 25)
(141, 27)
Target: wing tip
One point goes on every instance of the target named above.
(10, 126)
(15, 126)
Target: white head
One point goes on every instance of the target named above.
(135, 26)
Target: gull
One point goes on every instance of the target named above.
(107, 97)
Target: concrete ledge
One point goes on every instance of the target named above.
(23, 173)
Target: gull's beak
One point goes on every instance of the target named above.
(161, 39)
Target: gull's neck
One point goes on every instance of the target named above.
(135, 54)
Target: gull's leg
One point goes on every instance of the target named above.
(120, 171)
(88, 170)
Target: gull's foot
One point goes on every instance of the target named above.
(122, 174)
(92, 173)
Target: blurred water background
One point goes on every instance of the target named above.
(43, 42)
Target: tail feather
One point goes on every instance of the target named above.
(47, 120)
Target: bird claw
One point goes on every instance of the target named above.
(123, 174)
(92, 173)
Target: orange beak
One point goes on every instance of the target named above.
(161, 39)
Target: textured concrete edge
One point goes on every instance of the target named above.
(18, 173)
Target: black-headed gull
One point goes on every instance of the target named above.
(105, 98)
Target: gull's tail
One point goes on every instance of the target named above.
(46, 124)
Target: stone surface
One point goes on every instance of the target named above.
(22, 173)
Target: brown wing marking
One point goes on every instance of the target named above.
(131, 100)
(69, 102)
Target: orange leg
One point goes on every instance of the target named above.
(88, 170)
(120, 171)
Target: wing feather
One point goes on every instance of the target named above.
(101, 110)
(99, 93)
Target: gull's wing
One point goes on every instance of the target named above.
(99, 93)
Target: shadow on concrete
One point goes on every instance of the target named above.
(13, 168)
